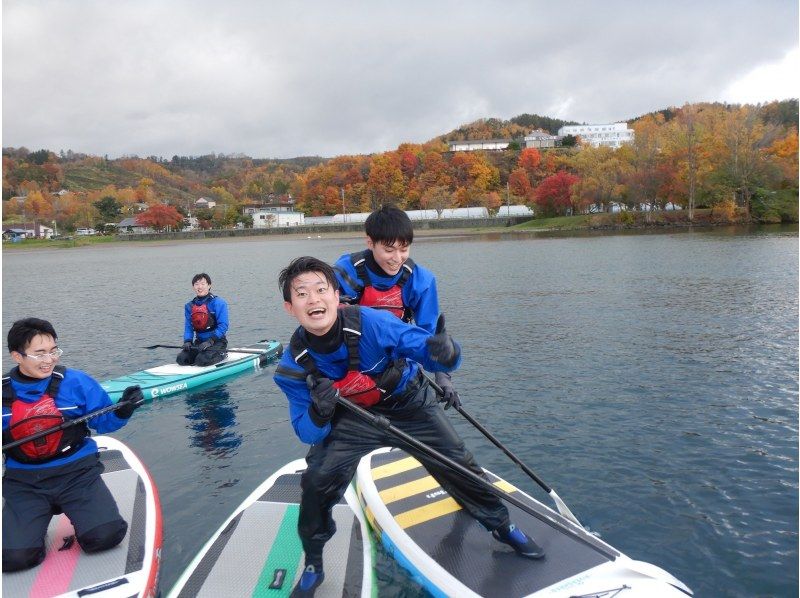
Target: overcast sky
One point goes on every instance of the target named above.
(284, 79)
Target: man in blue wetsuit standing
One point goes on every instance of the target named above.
(205, 326)
(372, 358)
(384, 277)
(59, 473)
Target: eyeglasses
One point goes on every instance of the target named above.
(54, 354)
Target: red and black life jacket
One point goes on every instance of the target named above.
(362, 389)
(201, 317)
(367, 295)
(30, 418)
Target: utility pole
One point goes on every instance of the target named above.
(344, 208)
(508, 201)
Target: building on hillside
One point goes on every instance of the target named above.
(275, 216)
(540, 138)
(479, 144)
(610, 135)
(129, 226)
(28, 230)
(204, 203)
(14, 234)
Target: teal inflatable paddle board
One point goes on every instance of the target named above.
(257, 551)
(450, 554)
(172, 378)
(129, 569)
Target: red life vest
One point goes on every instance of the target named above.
(390, 299)
(356, 386)
(201, 317)
(30, 418)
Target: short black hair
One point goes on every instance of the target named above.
(299, 266)
(197, 277)
(23, 331)
(389, 225)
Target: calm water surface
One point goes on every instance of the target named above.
(652, 380)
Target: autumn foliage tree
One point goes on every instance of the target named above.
(554, 195)
(159, 217)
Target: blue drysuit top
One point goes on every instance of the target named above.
(78, 395)
(419, 292)
(384, 338)
(218, 307)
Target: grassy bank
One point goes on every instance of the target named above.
(643, 220)
(64, 243)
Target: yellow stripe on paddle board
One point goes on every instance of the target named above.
(430, 511)
(426, 513)
(399, 466)
(402, 491)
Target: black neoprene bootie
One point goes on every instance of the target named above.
(521, 542)
(310, 580)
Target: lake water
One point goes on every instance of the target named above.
(652, 380)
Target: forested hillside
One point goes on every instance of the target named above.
(692, 156)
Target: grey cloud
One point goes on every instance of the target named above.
(280, 79)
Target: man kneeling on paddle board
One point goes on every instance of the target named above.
(205, 325)
(371, 358)
(59, 472)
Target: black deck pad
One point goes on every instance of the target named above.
(469, 553)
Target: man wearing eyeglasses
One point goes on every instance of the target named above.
(61, 471)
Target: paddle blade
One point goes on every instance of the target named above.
(563, 509)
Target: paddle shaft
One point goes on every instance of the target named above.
(248, 351)
(63, 426)
(384, 424)
(562, 507)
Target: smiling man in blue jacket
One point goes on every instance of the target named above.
(205, 326)
(372, 358)
(61, 471)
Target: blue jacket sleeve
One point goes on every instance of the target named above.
(188, 331)
(384, 333)
(221, 314)
(299, 398)
(421, 296)
(86, 390)
(343, 268)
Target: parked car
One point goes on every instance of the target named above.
(83, 232)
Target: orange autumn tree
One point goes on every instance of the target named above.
(159, 217)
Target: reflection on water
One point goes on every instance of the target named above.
(212, 420)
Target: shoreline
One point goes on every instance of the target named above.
(427, 233)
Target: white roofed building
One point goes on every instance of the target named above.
(611, 135)
(540, 138)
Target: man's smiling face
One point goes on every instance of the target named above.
(314, 302)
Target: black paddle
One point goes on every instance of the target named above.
(248, 351)
(383, 423)
(63, 426)
(562, 507)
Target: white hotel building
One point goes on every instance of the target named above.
(611, 135)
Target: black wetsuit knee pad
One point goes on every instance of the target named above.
(17, 559)
(103, 536)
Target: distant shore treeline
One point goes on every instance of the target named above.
(742, 158)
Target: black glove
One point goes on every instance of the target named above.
(187, 345)
(449, 396)
(205, 345)
(132, 398)
(441, 347)
(323, 399)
